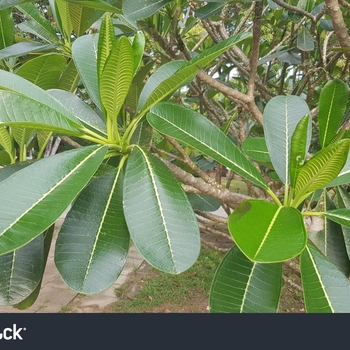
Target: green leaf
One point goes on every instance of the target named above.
(69, 78)
(63, 12)
(43, 71)
(19, 110)
(5, 158)
(9, 3)
(106, 41)
(208, 11)
(300, 144)
(39, 25)
(93, 242)
(21, 271)
(84, 51)
(6, 142)
(163, 73)
(243, 286)
(22, 135)
(81, 110)
(6, 28)
(151, 95)
(116, 77)
(341, 216)
(34, 197)
(159, 216)
(200, 133)
(143, 135)
(330, 240)
(140, 9)
(343, 177)
(81, 18)
(325, 288)
(104, 6)
(305, 41)
(322, 168)
(281, 116)
(138, 46)
(266, 232)
(343, 201)
(332, 106)
(25, 48)
(203, 202)
(21, 86)
(256, 149)
(30, 300)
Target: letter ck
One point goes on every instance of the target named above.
(11, 333)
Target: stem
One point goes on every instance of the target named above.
(312, 213)
(42, 149)
(23, 153)
(286, 195)
(273, 196)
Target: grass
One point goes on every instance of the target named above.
(161, 288)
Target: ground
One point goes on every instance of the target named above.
(196, 301)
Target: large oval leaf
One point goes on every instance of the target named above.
(199, 132)
(159, 216)
(243, 286)
(325, 288)
(21, 272)
(281, 116)
(332, 106)
(34, 197)
(266, 232)
(94, 240)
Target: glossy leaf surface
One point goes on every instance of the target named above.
(281, 116)
(332, 106)
(159, 216)
(93, 242)
(330, 240)
(34, 197)
(266, 232)
(243, 286)
(21, 272)
(139, 9)
(84, 51)
(197, 131)
(325, 288)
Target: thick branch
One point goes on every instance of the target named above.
(339, 26)
(219, 192)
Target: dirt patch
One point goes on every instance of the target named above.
(197, 301)
(194, 300)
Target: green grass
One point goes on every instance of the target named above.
(163, 288)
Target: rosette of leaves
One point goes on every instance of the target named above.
(114, 189)
(265, 233)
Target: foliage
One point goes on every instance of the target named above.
(150, 96)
